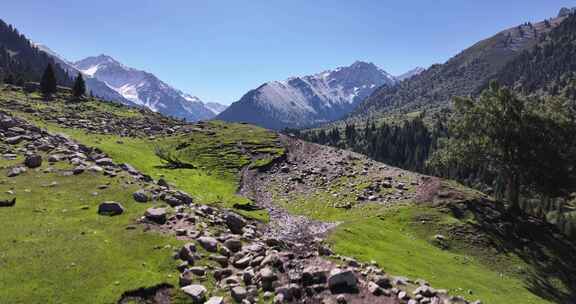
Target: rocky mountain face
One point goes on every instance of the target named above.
(93, 85)
(305, 101)
(465, 74)
(144, 89)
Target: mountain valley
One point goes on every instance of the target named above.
(452, 184)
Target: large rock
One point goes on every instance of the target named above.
(208, 243)
(342, 281)
(267, 277)
(239, 293)
(33, 161)
(196, 292)
(140, 196)
(156, 215)
(110, 208)
(382, 281)
(235, 222)
(187, 253)
(233, 244)
(186, 278)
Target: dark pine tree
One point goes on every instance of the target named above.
(79, 88)
(48, 83)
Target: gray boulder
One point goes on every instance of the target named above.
(235, 222)
(156, 215)
(238, 293)
(197, 293)
(140, 196)
(233, 244)
(33, 161)
(342, 281)
(187, 253)
(208, 243)
(110, 208)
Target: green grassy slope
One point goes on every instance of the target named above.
(402, 240)
(55, 248)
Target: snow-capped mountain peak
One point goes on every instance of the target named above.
(307, 100)
(144, 88)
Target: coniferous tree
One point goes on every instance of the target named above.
(48, 84)
(79, 88)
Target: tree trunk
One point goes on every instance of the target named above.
(513, 193)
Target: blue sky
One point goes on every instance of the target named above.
(218, 49)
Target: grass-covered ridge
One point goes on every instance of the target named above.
(217, 150)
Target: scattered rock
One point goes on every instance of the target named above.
(215, 300)
(235, 222)
(33, 161)
(342, 281)
(238, 293)
(208, 243)
(15, 171)
(110, 208)
(140, 196)
(187, 253)
(156, 215)
(8, 202)
(233, 244)
(196, 292)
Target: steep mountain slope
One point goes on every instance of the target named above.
(465, 74)
(308, 100)
(144, 89)
(415, 71)
(550, 67)
(93, 85)
(20, 60)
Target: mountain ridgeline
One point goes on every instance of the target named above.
(465, 74)
(309, 100)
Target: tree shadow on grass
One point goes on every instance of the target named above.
(550, 253)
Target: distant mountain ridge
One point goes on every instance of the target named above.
(308, 100)
(465, 74)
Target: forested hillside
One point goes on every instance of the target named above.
(21, 62)
(465, 74)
